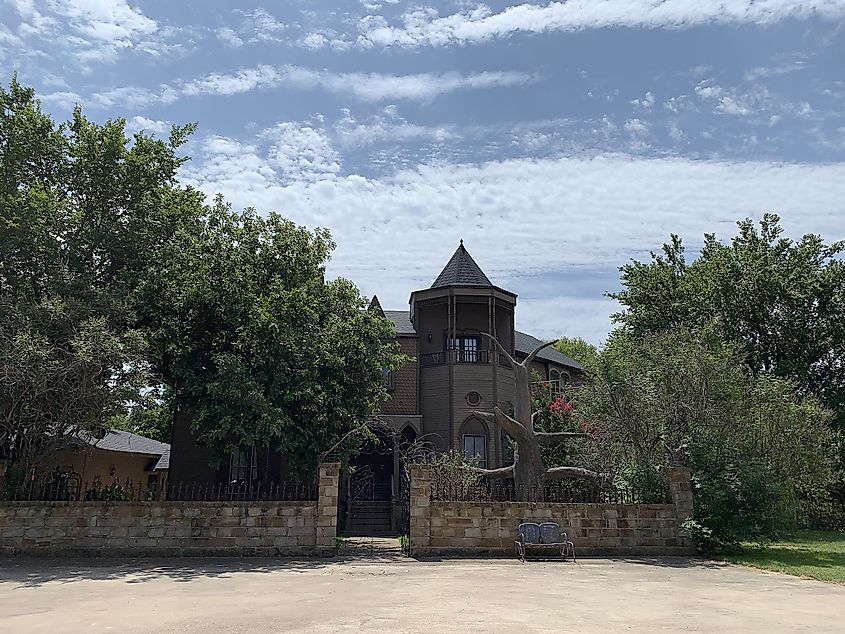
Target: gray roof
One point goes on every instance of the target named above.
(401, 320)
(128, 443)
(525, 343)
(461, 270)
(164, 461)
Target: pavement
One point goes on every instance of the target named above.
(374, 588)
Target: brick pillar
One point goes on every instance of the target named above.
(327, 506)
(680, 489)
(420, 501)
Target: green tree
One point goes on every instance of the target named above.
(83, 210)
(258, 347)
(578, 350)
(758, 450)
(783, 301)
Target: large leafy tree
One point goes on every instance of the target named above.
(83, 210)
(783, 301)
(758, 449)
(257, 346)
(126, 299)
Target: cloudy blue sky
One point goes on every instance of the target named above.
(557, 139)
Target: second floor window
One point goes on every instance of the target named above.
(466, 348)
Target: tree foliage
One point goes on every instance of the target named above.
(253, 340)
(756, 447)
(82, 211)
(127, 299)
(578, 350)
(782, 301)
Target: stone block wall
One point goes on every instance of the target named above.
(158, 528)
(170, 528)
(478, 528)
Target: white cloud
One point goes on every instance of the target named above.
(636, 127)
(229, 37)
(646, 102)
(150, 126)
(425, 27)
(89, 31)
(524, 218)
(266, 28)
(301, 152)
(676, 133)
(387, 125)
(368, 87)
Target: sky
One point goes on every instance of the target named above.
(559, 140)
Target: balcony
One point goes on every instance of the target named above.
(454, 356)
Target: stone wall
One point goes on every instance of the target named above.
(167, 528)
(158, 528)
(478, 528)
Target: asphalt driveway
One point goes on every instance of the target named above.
(394, 594)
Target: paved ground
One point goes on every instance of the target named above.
(375, 591)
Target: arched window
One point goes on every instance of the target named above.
(555, 381)
(474, 439)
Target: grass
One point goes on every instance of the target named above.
(405, 543)
(814, 554)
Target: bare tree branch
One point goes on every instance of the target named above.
(495, 474)
(558, 473)
(536, 350)
(500, 347)
(550, 438)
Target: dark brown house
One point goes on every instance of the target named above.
(453, 370)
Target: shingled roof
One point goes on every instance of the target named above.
(461, 270)
(401, 320)
(525, 343)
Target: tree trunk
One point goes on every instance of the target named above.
(529, 471)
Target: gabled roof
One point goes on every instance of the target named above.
(461, 270)
(525, 343)
(401, 320)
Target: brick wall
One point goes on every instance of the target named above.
(403, 396)
(174, 528)
(597, 529)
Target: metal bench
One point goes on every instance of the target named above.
(545, 535)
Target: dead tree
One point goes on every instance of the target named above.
(528, 470)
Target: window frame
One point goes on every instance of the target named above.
(243, 461)
(482, 456)
(465, 353)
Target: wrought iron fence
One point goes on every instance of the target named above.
(68, 490)
(559, 491)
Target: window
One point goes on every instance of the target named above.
(387, 378)
(476, 446)
(554, 381)
(466, 349)
(243, 467)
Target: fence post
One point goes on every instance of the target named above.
(420, 500)
(327, 497)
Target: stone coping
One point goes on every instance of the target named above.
(174, 503)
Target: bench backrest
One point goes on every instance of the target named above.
(530, 532)
(550, 532)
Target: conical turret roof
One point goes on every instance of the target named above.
(461, 270)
